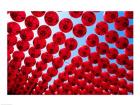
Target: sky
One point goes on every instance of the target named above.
(90, 30)
(81, 41)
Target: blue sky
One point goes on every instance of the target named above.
(81, 41)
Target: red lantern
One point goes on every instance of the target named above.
(38, 13)
(112, 68)
(122, 59)
(18, 16)
(57, 62)
(52, 48)
(51, 18)
(111, 36)
(33, 52)
(122, 43)
(110, 16)
(52, 71)
(129, 31)
(22, 45)
(29, 61)
(64, 53)
(128, 14)
(46, 57)
(31, 22)
(102, 48)
(65, 25)
(75, 14)
(84, 51)
(79, 30)
(112, 53)
(76, 61)
(88, 18)
(26, 34)
(71, 43)
(101, 28)
(59, 38)
(92, 40)
(44, 31)
(13, 28)
(121, 23)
